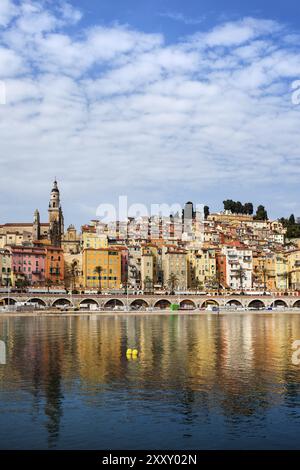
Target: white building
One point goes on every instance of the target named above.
(238, 267)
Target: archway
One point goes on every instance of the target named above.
(38, 301)
(113, 303)
(279, 303)
(163, 304)
(296, 304)
(9, 301)
(234, 303)
(139, 304)
(87, 303)
(187, 304)
(256, 304)
(61, 303)
(209, 302)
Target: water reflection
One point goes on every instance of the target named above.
(67, 382)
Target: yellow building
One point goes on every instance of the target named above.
(6, 273)
(109, 261)
(201, 267)
(93, 240)
(293, 258)
(73, 271)
(281, 271)
(174, 262)
(71, 242)
(227, 216)
(264, 271)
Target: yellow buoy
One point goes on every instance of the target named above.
(135, 352)
(129, 352)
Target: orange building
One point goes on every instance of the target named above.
(221, 268)
(54, 266)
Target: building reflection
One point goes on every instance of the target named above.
(239, 364)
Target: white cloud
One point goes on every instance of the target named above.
(183, 18)
(8, 10)
(10, 63)
(239, 32)
(113, 110)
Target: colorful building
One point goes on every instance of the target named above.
(54, 265)
(108, 260)
(147, 269)
(5, 268)
(174, 262)
(293, 258)
(93, 240)
(238, 267)
(28, 264)
(201, 267)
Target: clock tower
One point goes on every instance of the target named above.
(56, 218)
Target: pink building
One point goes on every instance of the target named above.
(28, 263)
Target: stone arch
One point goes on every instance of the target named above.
(234, 303)
(88, 302)
(37, 300)
(256, 304)
(62, 302)
(187, 304)
(296, 304)
(279, 303)
(139, 304)
(163, 304)
(9, 301)
(112, 303)
(208, 302)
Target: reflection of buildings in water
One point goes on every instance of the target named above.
(241, 363)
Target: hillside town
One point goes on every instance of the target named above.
(232, 251)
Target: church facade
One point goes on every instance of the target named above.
(51, 232)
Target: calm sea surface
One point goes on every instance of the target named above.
(200, 382)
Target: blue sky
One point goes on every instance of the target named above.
(162, 101)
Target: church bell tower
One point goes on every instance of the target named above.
(56, 219)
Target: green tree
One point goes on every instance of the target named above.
(22, 283)
(242, 276)
(98, 270)
(172, 282)
(239, 208)
(206, 212)
(261, 213)
(48, 283)
(248, 208)
(148, 284)
(197, 284)
(213, 282)
(292, 220)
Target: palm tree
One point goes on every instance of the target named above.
(73, 274)
(172, 282)
(213, 282)
(22, 284)
(242, 275)
(98, 270)
(287, 277)
(48, 283)
(148, 284)
(197, 284)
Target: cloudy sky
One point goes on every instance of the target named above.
(163, 101)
